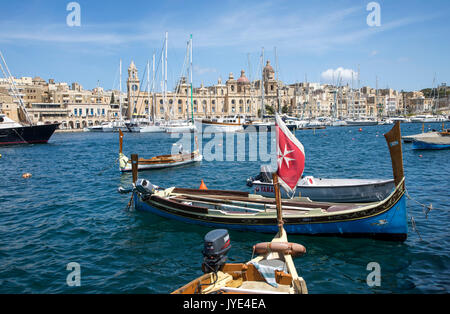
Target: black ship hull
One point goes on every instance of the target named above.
(34, 134)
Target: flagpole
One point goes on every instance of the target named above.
(276, 186)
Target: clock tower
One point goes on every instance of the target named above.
(133, 85)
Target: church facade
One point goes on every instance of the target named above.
(233, 97)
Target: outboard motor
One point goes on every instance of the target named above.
(145, 187)
(217, 245)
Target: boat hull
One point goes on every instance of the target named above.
(181, 129)
(335, 190)
(217, 127)
(383, 220)
(361, 123)
(154, 166)
(35, 134)
(418, 144)
(151, 129)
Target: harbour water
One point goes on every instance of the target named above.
(69, 211)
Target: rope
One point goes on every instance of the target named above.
(130, 203)
(413, 225)
(19, 135)
(108, 167)
(425, 208)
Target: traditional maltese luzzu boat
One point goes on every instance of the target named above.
(384, 219)
(158, 162)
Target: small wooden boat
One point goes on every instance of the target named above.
(411, 138)
(426, 135)
(271, 272)
(327, 190)
(243, 211)
(157, 162)
(275, 258)
(435, 142)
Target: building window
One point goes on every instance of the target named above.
(103, 112)
(161, 101)
(232, 88)
(75, 112)
(179, 101)
(179, 109)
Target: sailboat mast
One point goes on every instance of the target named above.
(263, 109)
(278, 87)
(153, 89)
(148, 90)
(10, 78)
(120, 90)
(165, 70)
(191, 70)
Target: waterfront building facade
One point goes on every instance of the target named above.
(76, 108)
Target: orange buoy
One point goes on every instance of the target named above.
(203, 186)
(26, 175)
(420, 156)
(360, 129)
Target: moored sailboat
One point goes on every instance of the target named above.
(12, 132)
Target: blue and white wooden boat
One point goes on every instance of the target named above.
(435, 142)
(385, 219)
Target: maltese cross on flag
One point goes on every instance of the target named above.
(290, 157)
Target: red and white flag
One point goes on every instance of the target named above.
(290, 157)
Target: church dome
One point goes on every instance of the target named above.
(268, 67)
(243, 78)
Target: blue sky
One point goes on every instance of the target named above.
(312, 38)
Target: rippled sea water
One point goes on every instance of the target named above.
(69, 211)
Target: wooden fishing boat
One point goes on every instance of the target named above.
(326, 189)
(435, 142)
(275, 258)
(385, 219)
(157, 162)
(271, 272)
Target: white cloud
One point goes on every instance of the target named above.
(335, 75)
(201, 70)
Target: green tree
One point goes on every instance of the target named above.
(269, 110)
(112, 99)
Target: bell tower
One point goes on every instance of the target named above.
(133, 86)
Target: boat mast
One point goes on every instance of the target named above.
(190, 72)
(359, 93)
(148, 90)
(165, 72)
(120, 90)
(263, 109)
(153, 89)
(278, 87)
(14, 90)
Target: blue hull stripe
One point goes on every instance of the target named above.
(391, 222)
